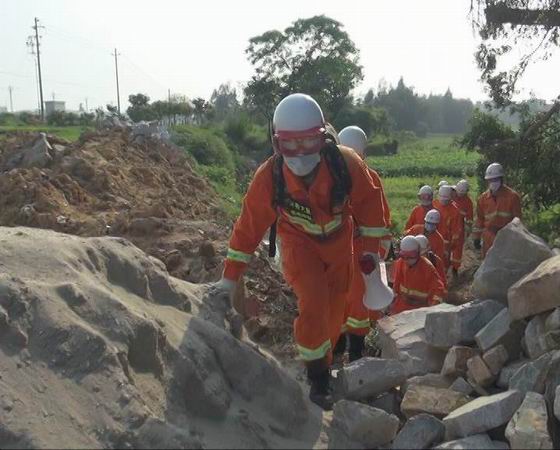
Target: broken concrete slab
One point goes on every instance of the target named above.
(422, 431)
(531, 377)
(501, 330)
(402, 337)
(436, 380)
(507, 372)
(496, 358)
(447, 328)
(514, 254)
(482, 414)
(368, 377)
(479, 371)
(537, 292)
(455, 362)
(369, 426)
(463, 386)
(435, 401)
(479, 441)
(528, 428)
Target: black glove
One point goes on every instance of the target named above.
(476, 243)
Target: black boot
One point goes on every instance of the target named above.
(357, 344)
(319, 378)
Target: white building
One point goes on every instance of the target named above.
(54, 105)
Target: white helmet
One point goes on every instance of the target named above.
(444, 192)
(426, 190)
(442, 183)
(409, 247)
(432, 216)
(297, 112)
(355, 138)
(424, 243)
(494, 170)
(462, 187)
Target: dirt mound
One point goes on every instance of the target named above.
(143, 188)
(100, 347)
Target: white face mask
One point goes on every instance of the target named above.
(302, 165)
(430, 227)
(425, 202)
(444, 200)
(494, 186)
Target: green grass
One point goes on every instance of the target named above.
(71, 133)
(433, 156)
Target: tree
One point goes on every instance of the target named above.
(140, 108)
(224, 101)
(506, 25)
(202, 109)
(402, 104)
(315, 56)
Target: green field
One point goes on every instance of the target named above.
(69, 133)
(419, 162)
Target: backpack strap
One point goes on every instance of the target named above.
(338, 169)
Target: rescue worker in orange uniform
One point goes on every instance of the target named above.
(436, 261)
(429, 229)
(358, 318)
(465, 204)
(417, 283)
(450, 226)
(426, 197)
(495, 208)
(317, 192)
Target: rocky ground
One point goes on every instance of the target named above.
(105, 340)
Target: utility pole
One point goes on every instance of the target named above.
(87, 109)
(10, 89)
(36, 28)
(117, 77)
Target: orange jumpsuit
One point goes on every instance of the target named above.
(316, 244)
(358, 318)
(437, 244)
(493, 212)
(417, 286)
(452, 229)
(437, 262)
(417, 216)
(466, 208)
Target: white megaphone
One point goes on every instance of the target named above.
(377, 295)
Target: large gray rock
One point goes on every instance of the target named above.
(514, 254)
(37, 154)
(496, 358)
(368, 377)
(501, 330)
(532, 376)
(528, 427)
(447, 328)
(478, 441)
(456, 360)
(482, 414)
(553, 321)
(480, 372)
(537, 340)
(390, 402)
(537, 292)
(507, 372)
(369, 426)
(463, 386)
(420, 432)
(557, 403)
(435, 401)
(402, 337)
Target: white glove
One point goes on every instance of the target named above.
(232, 316)
(228, 286)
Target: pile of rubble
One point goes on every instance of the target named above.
(485, 374)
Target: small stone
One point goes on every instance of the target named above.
(482, 414)
(422, 431)
(435, 401)
(501, 330)
(456, 360)
(479, 371)
(496, 358)
(463, 386)
(369, 426)
(436, 380)
(207, 250)
(532, 376)
(528, 427)
(368, 377)
(469, 443)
